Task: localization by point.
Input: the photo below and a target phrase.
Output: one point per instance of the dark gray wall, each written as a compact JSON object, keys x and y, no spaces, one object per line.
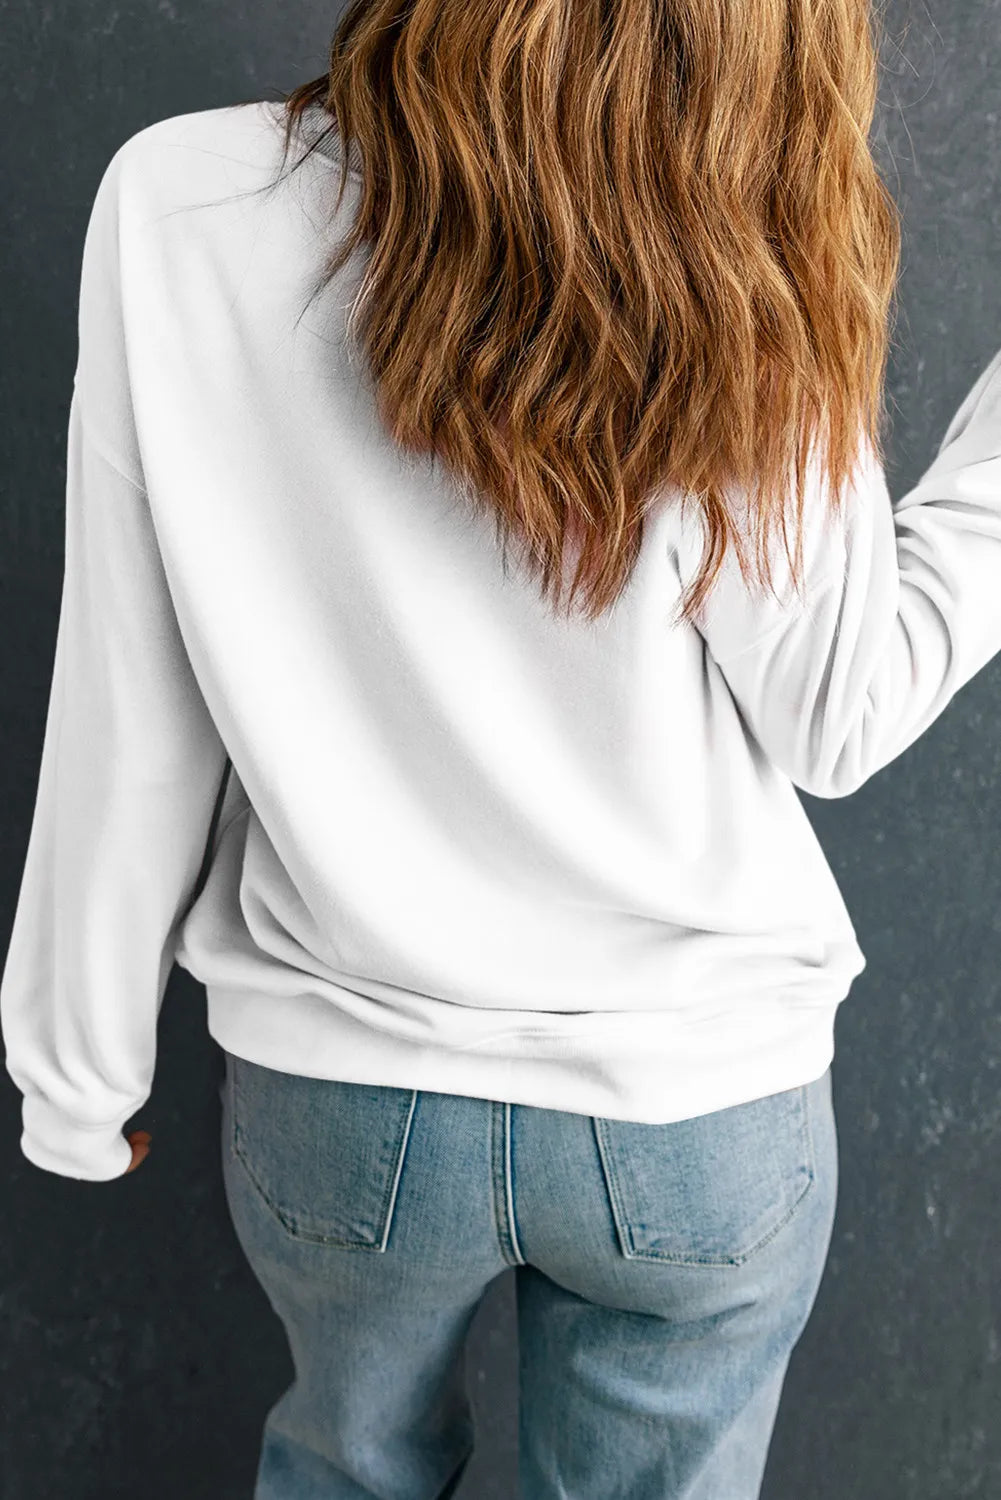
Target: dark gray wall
{"x":138,"y":1354}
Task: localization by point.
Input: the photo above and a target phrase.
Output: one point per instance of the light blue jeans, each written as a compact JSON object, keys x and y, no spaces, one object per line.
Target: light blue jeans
{"x":664,"y":1274}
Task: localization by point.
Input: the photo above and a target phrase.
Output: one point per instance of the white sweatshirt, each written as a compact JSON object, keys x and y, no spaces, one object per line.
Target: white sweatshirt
{"x":464,"y":846}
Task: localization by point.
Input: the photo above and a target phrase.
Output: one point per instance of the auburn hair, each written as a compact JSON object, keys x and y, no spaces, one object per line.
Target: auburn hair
{"x":617,"y":246}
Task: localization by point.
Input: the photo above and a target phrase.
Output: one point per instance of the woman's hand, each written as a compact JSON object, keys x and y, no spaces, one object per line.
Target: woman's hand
{"x":139,"y":1140}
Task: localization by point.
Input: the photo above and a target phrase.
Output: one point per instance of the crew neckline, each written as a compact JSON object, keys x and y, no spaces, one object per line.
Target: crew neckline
{"x":313,"y":122}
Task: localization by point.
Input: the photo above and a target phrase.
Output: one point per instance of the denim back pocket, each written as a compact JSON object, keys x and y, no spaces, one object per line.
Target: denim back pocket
{"x":325,"y":1155}
{"x":708,"y":1191}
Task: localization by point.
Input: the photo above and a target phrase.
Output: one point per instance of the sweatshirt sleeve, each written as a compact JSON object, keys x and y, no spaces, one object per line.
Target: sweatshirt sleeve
{"x":902,"y":607}
{"x":130,"y":768}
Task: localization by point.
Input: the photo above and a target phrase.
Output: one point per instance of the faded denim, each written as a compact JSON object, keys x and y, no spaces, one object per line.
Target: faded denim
{"x":664,"y":1274}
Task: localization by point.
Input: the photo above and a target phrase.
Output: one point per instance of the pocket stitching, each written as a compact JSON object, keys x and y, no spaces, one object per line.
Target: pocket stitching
{"x":288,"y":1221}
{"x":624,"y":1231}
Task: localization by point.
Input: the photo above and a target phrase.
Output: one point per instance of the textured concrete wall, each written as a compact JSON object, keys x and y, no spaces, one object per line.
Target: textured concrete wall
{"x":137,"y":1353}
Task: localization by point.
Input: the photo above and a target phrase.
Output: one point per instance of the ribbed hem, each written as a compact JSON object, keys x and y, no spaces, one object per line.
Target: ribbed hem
{"x":58,"y":1143}
{"x":652,"y":1067}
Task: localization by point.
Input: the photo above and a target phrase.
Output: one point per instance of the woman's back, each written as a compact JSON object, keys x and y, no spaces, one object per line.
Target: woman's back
{"x":466,"y":845}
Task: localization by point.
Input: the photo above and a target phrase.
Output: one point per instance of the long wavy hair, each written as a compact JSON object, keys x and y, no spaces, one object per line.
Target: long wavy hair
{"x":615,"y":246}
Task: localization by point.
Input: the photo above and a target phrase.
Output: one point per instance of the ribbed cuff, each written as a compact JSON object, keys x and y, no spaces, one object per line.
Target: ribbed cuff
{"x":58,"y":1143}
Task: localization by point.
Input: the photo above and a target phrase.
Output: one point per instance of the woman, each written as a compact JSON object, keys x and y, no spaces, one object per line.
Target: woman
{"x":415,"y":691}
